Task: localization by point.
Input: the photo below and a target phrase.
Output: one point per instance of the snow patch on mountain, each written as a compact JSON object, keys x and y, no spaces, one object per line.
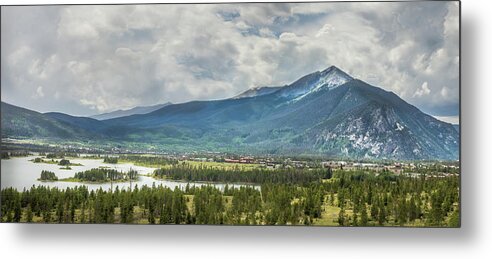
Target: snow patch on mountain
{"x":399,"y":127}
{"x":329,"y":79}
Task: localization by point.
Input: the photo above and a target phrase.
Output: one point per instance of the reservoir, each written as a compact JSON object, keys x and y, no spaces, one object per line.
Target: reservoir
{"x":20,"y":173}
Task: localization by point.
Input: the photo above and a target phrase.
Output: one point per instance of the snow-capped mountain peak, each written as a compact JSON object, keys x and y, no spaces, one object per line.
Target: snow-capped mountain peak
{"x":329,"y":78}
{"x":333,"y":77}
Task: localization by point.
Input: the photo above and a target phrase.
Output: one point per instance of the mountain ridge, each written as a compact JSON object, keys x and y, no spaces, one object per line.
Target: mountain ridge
{"x":257,"y":91}
{"x":324,"y":113}
{"x":25,"y":123}
{"x":128,"y":112}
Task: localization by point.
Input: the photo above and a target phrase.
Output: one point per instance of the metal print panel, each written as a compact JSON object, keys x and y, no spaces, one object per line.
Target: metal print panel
{"x":316,"y":114}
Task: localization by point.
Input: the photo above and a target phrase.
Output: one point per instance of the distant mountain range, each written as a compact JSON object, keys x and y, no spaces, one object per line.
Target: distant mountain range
{"x":132,"y":111}
{"x":326,"y":113}
{"x":18,"y":122}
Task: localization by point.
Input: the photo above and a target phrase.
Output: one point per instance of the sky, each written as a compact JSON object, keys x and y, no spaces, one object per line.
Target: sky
{"x":85,"y":60}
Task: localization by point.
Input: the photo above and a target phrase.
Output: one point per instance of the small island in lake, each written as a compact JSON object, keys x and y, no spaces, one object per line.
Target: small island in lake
{"x":111,"y":160}
{"x":103,"y":175}
{"x":63,"y":162}
{"x":48,"y":176}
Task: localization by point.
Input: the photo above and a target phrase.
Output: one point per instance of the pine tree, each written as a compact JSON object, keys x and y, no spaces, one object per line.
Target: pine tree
{"x":374,"y":212}
{"x":151,"y":216}
{"x":9,"y":217}
{"x":381,"y":215}
{"x":29,"y":214}
{"x":412,"y":210}
{"x":82,"y":213}
{"x":59,"y":212}
{"x":17,"y":211}
{"x":355,"y":221}
{"x":436,"y":213}
{"x":402,"y":212}
{"x":363,"y":216}
{"x":341,"y":217}
{"x":91,"y":211}
{"x":72,"y":213}
{"x":46,"y":216}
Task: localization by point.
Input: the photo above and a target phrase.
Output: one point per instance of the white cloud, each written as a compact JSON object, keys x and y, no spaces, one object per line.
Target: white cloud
{"x":444,"y":92}
{"x":39,"y":92}
{"x":102,"y":58}
{"x":326,"y":29}
{"x":424,"y":90}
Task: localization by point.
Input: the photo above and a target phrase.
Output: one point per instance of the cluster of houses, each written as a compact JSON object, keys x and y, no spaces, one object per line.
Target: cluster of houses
{"x":241,"y":160}
{"x":268,"y":163}
{"x":397,"y":168}
{"x":335,"y":164}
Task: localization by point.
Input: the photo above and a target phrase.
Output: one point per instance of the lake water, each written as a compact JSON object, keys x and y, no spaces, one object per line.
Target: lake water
{"x":20,"y":173}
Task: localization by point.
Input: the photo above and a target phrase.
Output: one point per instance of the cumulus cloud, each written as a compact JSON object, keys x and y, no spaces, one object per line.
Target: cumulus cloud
{"x":423,"y":90}
{"x":39,"y":92}
{"x":92,"y":59}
